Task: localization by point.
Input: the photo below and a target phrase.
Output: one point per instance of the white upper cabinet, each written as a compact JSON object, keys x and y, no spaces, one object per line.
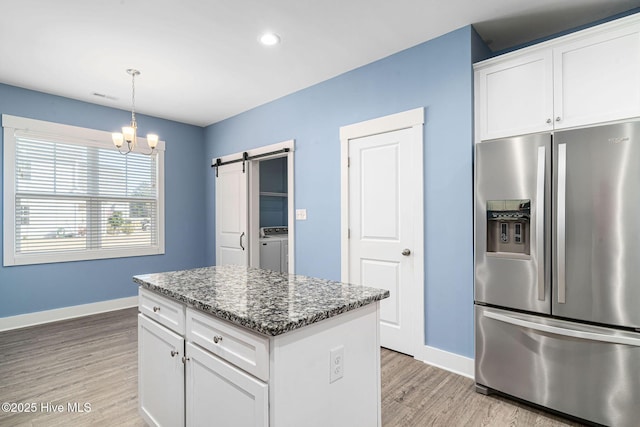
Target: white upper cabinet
{"x":597,"y":79}
{"x":515,"y":96}
{"x":588,"y":77}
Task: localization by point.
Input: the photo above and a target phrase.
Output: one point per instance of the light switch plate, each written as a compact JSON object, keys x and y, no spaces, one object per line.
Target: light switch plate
{"x":301,"y":214}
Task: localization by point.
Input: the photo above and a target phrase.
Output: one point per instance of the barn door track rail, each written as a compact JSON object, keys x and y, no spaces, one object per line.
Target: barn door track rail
{"x":245,"y":156}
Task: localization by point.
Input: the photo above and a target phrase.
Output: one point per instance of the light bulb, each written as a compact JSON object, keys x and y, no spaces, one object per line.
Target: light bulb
{"x":117,"y":139}
{"x":152,"y":140}
{"x":129,"y":134}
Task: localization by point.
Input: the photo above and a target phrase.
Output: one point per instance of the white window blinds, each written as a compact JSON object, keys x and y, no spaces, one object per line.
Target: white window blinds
{"x":76,"y":198}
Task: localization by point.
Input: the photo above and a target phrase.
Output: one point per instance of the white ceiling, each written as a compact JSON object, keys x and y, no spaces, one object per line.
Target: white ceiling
{"x":201,"y":62}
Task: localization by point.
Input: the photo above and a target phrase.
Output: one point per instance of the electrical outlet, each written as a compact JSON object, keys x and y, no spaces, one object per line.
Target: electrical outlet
{"x":301,"y":214}
{"x":336,"y":363}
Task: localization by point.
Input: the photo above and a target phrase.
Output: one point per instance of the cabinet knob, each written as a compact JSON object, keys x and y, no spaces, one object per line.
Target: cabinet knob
{"x":156,"y":309}
{"x":548,"y":121}
{"x":558,"y":119}
{"x":406,"y":252}
{"x":184,"y":359}
{"x":217,"y":339}
{"x":174,"y":353}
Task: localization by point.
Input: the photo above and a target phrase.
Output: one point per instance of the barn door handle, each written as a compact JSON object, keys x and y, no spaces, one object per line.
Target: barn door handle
{"x":241,"y":236}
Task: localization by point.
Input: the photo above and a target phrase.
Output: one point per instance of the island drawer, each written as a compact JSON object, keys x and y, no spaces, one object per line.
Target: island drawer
{"x":239,"y":346}
{"x":163,"y":310}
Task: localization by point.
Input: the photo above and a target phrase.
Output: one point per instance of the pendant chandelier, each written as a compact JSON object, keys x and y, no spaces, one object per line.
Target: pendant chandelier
{"x":130,"y":133}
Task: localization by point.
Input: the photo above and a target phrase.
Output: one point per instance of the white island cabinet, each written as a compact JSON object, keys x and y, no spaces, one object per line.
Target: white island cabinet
{"x":218,"y":393}
{"x":160,"y":374}
{"x":160,"y":367}
{"x":237,"y":346}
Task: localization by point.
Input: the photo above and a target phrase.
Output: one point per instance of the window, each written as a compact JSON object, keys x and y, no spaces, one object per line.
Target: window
{"x":70,"y":195}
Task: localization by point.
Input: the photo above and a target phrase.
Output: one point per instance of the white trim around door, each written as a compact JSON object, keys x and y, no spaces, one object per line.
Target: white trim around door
{"x":412,"y":119}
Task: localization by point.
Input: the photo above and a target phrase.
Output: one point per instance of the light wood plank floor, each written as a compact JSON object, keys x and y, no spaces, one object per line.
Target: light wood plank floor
{"x":94,"y":360}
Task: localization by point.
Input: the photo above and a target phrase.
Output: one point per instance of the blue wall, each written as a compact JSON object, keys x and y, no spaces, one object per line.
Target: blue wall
{"x":436,"y":75}
{"x":25,"y":289}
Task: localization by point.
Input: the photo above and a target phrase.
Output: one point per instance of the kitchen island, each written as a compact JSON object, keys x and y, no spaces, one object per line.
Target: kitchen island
{"x":236,"y":346}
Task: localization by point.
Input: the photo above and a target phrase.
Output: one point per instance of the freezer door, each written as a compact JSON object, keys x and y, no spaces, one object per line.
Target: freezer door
{"x":585,"y":371}
{"x":596,"y":261}
{"x":512,"y":205}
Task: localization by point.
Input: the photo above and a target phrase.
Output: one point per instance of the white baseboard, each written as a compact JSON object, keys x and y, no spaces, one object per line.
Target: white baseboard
{"x":452,"y":362}
{"x":40,"y":317}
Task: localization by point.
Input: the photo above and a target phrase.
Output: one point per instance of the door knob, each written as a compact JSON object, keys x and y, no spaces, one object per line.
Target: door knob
{"x":406,"y":252}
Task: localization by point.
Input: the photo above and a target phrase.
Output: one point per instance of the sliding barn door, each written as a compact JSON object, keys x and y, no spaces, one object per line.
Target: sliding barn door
{"x":232,"y":241}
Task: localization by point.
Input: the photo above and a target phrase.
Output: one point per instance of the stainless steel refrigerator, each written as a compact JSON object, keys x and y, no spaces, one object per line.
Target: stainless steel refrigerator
{"x":557,"y":271}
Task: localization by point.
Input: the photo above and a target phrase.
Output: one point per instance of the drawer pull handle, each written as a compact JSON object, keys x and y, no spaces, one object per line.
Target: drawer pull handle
{"x":156,"y":309}
{"x":217,"y":339}
{"x":174,"y":353}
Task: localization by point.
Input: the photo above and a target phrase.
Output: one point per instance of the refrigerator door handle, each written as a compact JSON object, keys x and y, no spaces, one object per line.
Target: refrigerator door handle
{"x":540,"y":220}
{"x":566,"y":332}
{"x":560,"y":239}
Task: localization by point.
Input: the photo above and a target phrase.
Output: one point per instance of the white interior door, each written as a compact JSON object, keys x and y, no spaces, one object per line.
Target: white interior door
{"x":231,"y":215}
{"x":381,"y":227}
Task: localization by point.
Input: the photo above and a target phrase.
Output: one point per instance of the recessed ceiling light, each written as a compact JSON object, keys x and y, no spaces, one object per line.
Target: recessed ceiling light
{"x":270,"y":39}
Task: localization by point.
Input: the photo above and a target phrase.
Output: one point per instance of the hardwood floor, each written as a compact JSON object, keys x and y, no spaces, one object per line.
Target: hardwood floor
{"x":94,"y":360}
{"x":88,"y":360}
{"x":417,"y":394}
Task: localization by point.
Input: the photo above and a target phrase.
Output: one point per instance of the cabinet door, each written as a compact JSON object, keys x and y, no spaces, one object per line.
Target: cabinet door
{"x":515,"y":96}
{"x":597,"y":79}
{"x":160,"y":374}
{"x":219,"y":394}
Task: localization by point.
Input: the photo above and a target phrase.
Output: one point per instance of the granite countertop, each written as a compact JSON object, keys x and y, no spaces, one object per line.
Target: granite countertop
{"x":264,"y":301}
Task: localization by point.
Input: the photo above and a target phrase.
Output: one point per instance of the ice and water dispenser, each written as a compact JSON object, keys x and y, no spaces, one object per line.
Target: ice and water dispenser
{"x":508,"y":225}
